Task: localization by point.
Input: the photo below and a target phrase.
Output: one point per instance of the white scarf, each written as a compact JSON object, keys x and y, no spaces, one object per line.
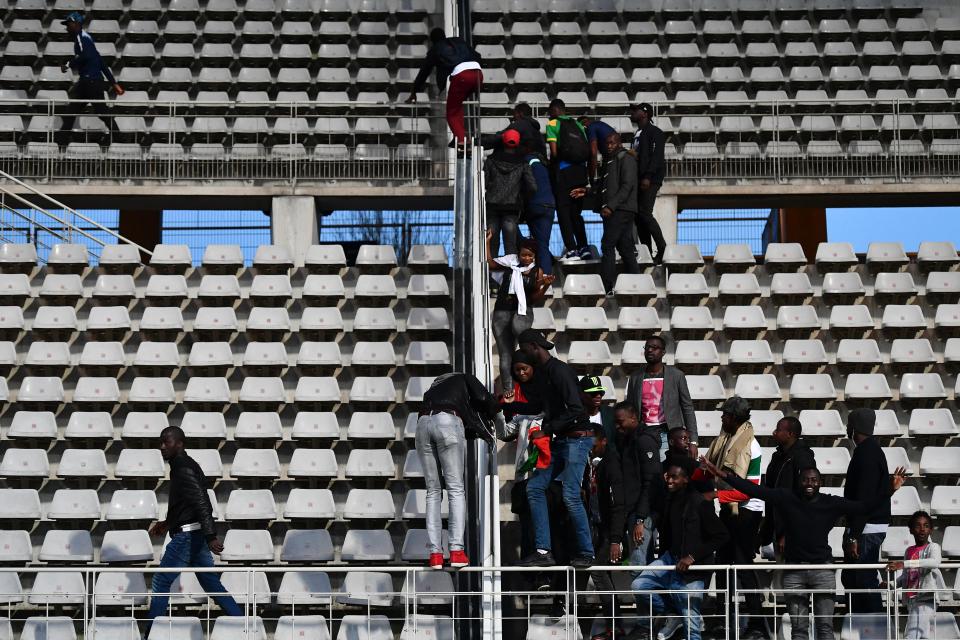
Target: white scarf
{"x":516,"y":279}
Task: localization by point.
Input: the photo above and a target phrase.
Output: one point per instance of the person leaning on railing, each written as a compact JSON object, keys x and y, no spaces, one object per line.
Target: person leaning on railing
{"x":808,"y":519}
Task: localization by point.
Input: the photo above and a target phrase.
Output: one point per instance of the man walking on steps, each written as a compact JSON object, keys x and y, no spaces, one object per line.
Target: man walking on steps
{"x":567,"y":423}
{"x":92,"y":70}
{"x":648,"y":143}
{"x":190,"y":523}
{"x":618,"y":208}
{"x":452,"y":58}
{"x":569,"y":154}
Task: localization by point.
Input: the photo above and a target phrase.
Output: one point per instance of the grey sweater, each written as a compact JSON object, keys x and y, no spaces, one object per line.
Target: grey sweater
{"x":619,"y":180}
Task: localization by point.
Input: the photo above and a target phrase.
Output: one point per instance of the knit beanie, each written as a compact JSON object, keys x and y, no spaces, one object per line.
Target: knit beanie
{"x":862,"y":421}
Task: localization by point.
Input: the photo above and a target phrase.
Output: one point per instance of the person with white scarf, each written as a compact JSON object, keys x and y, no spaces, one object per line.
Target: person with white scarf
{"x":521,"y":283}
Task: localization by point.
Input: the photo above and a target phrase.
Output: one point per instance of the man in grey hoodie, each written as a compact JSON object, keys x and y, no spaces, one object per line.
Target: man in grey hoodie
{"x":618,"y":207}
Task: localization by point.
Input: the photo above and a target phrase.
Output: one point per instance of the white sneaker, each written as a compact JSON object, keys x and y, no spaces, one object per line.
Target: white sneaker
{"x":673,"y":625}
{"x":572,"y":254}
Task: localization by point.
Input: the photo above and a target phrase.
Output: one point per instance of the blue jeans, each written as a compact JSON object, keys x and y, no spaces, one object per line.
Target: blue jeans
{"x":684,"y":599}
{"x":567,"y":463}
{"x":640,"y":554}
{"x":540,"y":223}
{"x":188,"y":549}
{"x":869,"y":553}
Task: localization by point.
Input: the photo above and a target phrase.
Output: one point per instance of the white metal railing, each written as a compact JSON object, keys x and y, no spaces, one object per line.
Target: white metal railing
{"x":757,"y":141}
{"x":56,"y":220}
{"x":566,"y":606}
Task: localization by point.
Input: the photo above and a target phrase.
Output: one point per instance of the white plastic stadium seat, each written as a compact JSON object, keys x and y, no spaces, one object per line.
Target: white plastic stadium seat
{"x":126,"y":546}
{"x":48,"y":628}
{"x":812,"y":386}
{"x":371,"y":545}
{"x":21,"y":504}
{"x":120,"y":589}
{"x":822,"y":423}
{"x":312,"y":463}
{"x":237,"y":583}
{"x":866,"y":386}
{"x":255,"y":463}
{"x":139,"y":463}
{"x":258,"y":425}
{"x":922,"y":386}
{"x":132,"y":504}
{"x":762,"y":386}
{"x":706,"y":388}
{"x":33,"y":424}
{"x":312,"y":503}
{"x":306,"y":545}
{"x":246,"y":545}
{"x":83,"y":463}
{"x":178,"y":627}
{"x":59,"y":587}
{"x":305,"y":588}
{"x":367,"y":588}
{"x":79,"y":504}
{"x":369,"y":504}
{"x":15,"y":547}
{"x":365,"y":627}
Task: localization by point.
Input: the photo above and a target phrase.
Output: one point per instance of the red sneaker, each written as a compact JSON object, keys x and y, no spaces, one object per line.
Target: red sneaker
{"x":459,"y":559}
{"x":436,"y":561}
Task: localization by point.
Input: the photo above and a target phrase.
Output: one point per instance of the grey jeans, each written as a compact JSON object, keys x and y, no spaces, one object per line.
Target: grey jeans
{"x":442,"y":448}
{"x":798,"y":603}
{"x":507,"y":325}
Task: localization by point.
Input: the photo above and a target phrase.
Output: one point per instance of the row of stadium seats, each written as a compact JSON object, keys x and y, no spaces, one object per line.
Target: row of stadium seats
{"x":259,"y":393}
{"x":738,"y":258}
{"x":226,"y":9}
{"x":316,"y":627}
{"x":209,"y":426}
{"x":135,"y":504}
{"x":220,"y":258}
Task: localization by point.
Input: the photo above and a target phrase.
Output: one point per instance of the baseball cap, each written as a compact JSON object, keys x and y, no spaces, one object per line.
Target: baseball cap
{"x":535,"y":337}
{"x":74,"y":16}
{"x":511,"y":138}
{"x":646,"y":107}
{"x":591,"y":384}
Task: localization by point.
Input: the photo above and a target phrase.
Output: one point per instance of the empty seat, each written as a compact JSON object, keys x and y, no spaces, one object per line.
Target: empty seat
{"x":816,"y":387}
{"x":922,"y":386}
{"x":744,"y":321}
{"x":325,"y":258}
{"x":912,"y":353}
{"x":78,"y":504}
{"x":222,"y":288}
{"x":943,"y":287}
{"x":204,"y":425}
{"x":932,"y":422}
{"x":15,"y":547}
{"x":790,"y":286}
{"x":44,"y":357}
{"x":83,"y":463}
{"x":364,"y":627}
{"x":936,"y":256}
{"x":20,"y":504}
{"x":940,"y":460}
{"x":140,"y":424}
{"x":687,"y":287}
{"x":17,"y":257}
{"x":866,"y":386}
{"x":151,"y":391}
{"x":41,"y":390}
{"x":105,"y":357}
{"x":842,"y":287}
{"x":244,"y":545}
{"x":850,"y":320}
{"x":255,"y":463}
{"x":695,"y":320}
{"x":763,"y":386}
{"x":33,"y":424}
{"x":270,"y":290}
{"x":369,"y":504}
{"x":832,"y":460}
{"x":312,"y":463}
{"x":207,"y":391}
{"x":373,"y":290}
{"x":222,"y":258}
{"x":312,"y":504}
{"x":706,"y":388}
{"x":367,"y":546}
{"x":139,"y":463}
{"x":312,"y":424}
{"x":897,"y":287}
{"x":132,"y":504}
{"x":56,"y":323}
{"x":306,"y":545}
{"x":861,"y":355}
{"x":367,"y":588}
{"x":159,"y":322}
{"x":167,"y":290}
{"x":25,"y":463}
{"x":822,"y":423}
{"x":114,"y":289}
{"x":178,"y":627}
{"x":237,"y":583}
{"x":318,"y":391}
{"x":60,"y":545}
{"x":269,"y":323}
{"x":804,"y":353}
{"x":258,"y":424}
{"x":126,"y":546}
{"x":692,"y":354}
{"x":886,"y":256}
{"x":370,"y":463}
{"x":157,"y":356}
{"x":305,"y":588}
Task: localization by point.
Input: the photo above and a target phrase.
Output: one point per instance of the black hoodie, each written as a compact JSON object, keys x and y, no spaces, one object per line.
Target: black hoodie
{"x":507,"y":175}
{"x":783,"y":472}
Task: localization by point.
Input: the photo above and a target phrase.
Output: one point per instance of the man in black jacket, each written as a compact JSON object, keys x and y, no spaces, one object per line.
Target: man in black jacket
{"x":783,"y":472}
{"x":807,"y":517}
{"x":867,"y":476}
{"x":452,"y":58}
{"x":456,"y":406}
{"x":648,"y":142}
{"x":639,"y":449}
{"x":190,"y":524}
{"x":566,"y":421}
{"x":507,"y":176}
{"x":603,"y":486}
{"x":690,"y":534}
{"x":618,"y":208}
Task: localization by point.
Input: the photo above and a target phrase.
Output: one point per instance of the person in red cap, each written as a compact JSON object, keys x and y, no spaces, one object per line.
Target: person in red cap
{"x":507,"y":177}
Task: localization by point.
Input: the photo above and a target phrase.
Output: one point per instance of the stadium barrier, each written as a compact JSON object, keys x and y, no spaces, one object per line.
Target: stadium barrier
{"x":405,"y":598}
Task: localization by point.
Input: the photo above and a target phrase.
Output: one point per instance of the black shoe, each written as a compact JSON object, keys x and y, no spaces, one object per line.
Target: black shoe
{"x":582,"y":562}
{"x":537,"y":559}
{"x":658,"y":259}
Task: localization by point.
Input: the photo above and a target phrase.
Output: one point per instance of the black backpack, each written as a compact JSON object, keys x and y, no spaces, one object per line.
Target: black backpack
{"x":572,"y":145}
{"x":453,"y":51}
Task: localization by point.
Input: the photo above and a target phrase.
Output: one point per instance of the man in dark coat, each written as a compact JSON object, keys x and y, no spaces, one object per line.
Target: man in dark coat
{"x":618,"y":207}
{"x":690,"y":534}
{"x":783,"y":472}
{"x":603,"y":487}
{"x":507,"y":176}
{"x":639,"y":449}
{"x":648,"y":143}
{"x":867,"y":476}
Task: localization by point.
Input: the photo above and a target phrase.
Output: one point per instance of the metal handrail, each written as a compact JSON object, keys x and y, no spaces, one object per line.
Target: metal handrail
{"x":67,"y":225}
